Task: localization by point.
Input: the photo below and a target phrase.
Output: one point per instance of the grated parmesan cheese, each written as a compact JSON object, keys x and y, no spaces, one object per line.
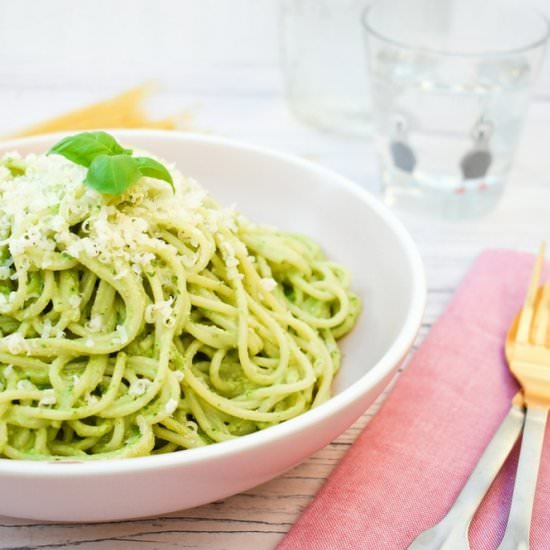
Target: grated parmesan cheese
{"x":46,"y":328}
{"x":171,"y":406}
{"x":92,"y":399}
{"x":95,"y":323}
{"x":74,"y":301}
{"x":24,"y":385}
{"x":121,"y":335}
{"x":16,"y":343}
{"x":49,"y":199}
{"x":48,"y":398}
{"x":268,"y":283}
{"x":162,"y":311}
{"x":139,"y":387}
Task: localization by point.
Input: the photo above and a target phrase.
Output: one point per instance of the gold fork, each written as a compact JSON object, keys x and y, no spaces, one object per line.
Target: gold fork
{"x":529,"y":361}
{"x":530,"y":325}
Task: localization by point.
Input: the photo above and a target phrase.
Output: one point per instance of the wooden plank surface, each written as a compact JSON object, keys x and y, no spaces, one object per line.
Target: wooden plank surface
{"x":256,"y":112}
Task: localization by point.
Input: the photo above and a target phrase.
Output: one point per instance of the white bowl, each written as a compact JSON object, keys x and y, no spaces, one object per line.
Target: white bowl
{"x":353,"y":228}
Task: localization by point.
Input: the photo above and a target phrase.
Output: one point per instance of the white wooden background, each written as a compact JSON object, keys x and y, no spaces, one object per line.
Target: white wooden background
{"x":218,"y":61}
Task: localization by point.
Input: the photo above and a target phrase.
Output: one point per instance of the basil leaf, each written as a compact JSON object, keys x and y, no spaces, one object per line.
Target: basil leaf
{"x":154,"y":169}
{"x":111,"y":167}
{"x":85,"y":147}
{"x":112,"y":174}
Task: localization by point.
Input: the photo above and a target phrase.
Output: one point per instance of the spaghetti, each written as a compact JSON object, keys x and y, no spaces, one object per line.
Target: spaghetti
{"x":153,"y":321}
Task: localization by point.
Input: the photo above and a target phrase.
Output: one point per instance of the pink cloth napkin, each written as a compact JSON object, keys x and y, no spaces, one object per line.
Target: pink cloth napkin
{"x":407,"y":467}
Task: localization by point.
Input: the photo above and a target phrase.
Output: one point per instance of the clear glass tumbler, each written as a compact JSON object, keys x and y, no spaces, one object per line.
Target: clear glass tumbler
{"x":323,"y":60}
{"x":450,"y":85}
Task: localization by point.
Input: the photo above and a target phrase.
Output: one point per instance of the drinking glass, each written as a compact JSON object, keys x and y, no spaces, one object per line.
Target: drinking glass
{"x":323,"y":62}
{"x":450,"y":86}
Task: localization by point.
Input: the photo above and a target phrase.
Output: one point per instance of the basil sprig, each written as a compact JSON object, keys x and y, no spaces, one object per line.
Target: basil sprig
{"x":111,"y":167}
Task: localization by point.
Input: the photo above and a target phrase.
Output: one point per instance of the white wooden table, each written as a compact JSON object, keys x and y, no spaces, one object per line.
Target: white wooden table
{"x":254,"y":111}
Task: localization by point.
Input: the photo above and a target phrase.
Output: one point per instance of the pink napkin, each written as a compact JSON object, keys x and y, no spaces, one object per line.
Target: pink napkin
{"x":407,"y":467}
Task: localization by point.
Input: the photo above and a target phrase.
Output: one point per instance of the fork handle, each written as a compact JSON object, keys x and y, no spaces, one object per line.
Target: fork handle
{"x":516,"y":535}
{"x":451,"y":533}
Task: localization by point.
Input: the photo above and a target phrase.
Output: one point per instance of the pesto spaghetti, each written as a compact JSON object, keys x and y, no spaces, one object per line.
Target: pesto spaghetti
{"x":154,"y":320}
